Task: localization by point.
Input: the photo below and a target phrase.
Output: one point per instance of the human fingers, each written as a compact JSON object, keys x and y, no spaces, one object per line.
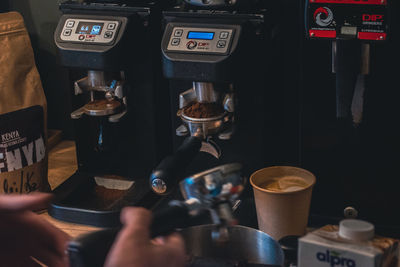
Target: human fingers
{"x":136,"y":223}
{"x":131,"y":247}
{"x":50,"y":236}
{"x":49,"y":257}
{"x":17,"y":203}
{"x":175,"y":242}
{"x":22,"y":258}
{"x":171,"y":252}
{"x":12,"y":258}
{"x":34,"y":231}
{"x":18,"y":252}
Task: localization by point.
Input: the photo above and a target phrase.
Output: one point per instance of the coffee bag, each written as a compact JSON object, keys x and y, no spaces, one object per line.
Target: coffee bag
{"x":23,"y":154}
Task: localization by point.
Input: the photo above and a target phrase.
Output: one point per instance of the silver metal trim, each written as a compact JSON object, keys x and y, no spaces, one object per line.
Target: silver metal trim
{"x":159,"y":186}
{"x":117,"y":117}
{"x":224,"y":169}
{"x":211,"y":148}
{"x":187,"y":97}
{"x":205,"y":92}
{"x":77,"y":114}
{"x":365,"y":59}
{"x":182,"y":130}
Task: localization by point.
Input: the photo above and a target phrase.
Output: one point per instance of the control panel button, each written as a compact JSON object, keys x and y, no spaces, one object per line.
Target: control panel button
{"x":223,"y":35}
{"x":176,"y":41}
{"x":221,"y":44}
{"x":67,"y":32}
{"x":111,"y":26}
{"x":70,"y":24}
{"x":108,"y":35}
{"x":178,"y":33}
{"x":81,"y":37}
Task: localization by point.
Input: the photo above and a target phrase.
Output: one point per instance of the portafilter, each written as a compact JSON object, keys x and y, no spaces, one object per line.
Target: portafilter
{"x":214,"y":191}
{"x":201,"y":130}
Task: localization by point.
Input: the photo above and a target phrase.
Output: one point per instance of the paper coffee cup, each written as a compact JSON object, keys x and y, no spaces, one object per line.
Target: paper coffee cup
{"x":282,"y":213}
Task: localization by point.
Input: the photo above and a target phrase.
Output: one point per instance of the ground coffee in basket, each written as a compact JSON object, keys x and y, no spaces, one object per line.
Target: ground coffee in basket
{"x":199,"y":110}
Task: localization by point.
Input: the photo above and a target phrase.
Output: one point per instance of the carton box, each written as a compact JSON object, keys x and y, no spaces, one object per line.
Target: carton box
{"x":325,"y":247}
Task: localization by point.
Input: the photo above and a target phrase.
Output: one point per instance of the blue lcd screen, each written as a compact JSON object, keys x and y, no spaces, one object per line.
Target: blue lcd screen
{"x":201,"y":35}
{"x":96,"y":29}
{"x":85,"y":27}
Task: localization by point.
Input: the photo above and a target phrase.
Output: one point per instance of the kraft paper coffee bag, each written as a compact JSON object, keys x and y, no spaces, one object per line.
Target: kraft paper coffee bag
{"x":23,"y":154}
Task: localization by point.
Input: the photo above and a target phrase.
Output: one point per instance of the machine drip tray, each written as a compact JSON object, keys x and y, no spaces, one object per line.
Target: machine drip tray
{"x":80,"y":200}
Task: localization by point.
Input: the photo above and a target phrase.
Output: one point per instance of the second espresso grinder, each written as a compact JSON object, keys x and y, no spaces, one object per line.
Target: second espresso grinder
{"x":204,"y":49}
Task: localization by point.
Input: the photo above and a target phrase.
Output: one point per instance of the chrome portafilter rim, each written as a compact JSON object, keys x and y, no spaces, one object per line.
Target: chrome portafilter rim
{"x":205,"y":126}
{"x":202,"y":120}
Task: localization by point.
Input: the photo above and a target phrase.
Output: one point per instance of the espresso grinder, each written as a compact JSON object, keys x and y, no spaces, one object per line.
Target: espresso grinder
{"x":353,"y":161}
{"x":205,"y":48}
{"x":111,"y":50}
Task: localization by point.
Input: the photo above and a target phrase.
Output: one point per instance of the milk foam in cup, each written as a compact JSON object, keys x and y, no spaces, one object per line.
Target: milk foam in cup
{"x":285,"y":184}
{"x":282,"y":196}
{"x":351,"y":244}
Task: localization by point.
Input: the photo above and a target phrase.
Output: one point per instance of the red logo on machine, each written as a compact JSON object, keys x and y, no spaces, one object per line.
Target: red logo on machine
{"x":191,"y":45}
{"x":203,"y":45}
{"x":372,"y":17}
{"x":323,"y":16}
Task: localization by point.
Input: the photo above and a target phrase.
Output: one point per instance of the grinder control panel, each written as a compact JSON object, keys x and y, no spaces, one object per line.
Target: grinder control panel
{"x":347,"y":19}
{"x":201,"y":51}
{"x":89,"y":31}
{"x":200,"y":40}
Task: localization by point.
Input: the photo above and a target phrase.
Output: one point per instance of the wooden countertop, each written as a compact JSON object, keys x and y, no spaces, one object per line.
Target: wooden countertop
{"x":62,"y":164}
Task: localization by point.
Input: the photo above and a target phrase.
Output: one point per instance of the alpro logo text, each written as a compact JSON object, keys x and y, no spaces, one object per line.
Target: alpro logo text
{"x":334,"y":259}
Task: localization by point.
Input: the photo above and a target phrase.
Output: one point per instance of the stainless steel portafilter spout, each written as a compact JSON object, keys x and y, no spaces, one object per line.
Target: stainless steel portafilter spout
{"x":96,"y":79}
{"x":205,"y":92}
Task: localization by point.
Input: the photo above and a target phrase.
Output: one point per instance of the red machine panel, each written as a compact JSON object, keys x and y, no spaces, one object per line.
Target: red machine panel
{"x":347,"y":19}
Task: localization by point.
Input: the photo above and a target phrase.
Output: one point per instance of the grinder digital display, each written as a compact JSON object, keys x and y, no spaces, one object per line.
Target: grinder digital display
{"x":89,"y":28}
{"x":201,"y":35}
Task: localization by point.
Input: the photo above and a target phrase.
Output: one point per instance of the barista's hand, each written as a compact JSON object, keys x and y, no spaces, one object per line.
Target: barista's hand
{"x":133,"y":247}
{"x":24,"y":234}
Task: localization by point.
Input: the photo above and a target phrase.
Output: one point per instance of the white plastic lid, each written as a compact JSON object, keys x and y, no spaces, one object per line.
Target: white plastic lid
{"x":356,"y":230}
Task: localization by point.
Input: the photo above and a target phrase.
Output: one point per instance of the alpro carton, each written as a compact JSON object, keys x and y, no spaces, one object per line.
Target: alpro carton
{"x":332,"y":246}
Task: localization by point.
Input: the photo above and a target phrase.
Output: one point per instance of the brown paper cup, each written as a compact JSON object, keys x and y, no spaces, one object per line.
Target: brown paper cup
{"x":281,"y":214}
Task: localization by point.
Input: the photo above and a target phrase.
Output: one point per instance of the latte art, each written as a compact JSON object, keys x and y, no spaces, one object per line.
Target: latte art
{"x":285,"y":184}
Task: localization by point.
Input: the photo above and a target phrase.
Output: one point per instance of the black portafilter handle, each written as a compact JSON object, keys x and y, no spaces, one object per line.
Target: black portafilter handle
{"x":91,"y":250}
{"x":168,"y":173}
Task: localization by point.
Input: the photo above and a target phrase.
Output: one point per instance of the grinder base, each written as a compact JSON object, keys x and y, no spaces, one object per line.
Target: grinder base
{"x":78,"y":201}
